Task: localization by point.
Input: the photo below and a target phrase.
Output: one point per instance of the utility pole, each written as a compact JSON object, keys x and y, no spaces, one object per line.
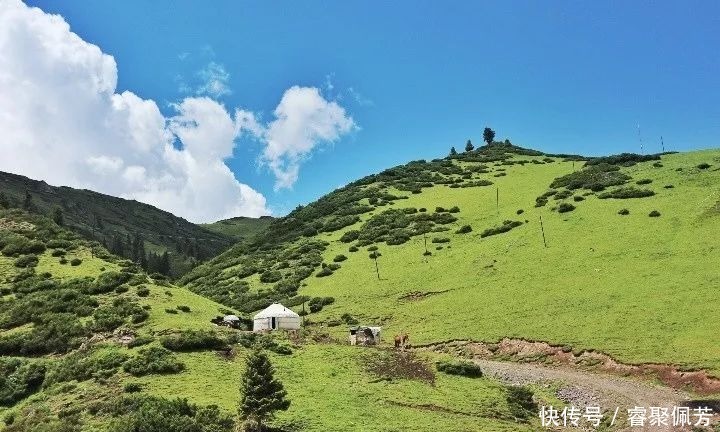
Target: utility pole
{"x":640,"y":138}
{"x":377,"y":269}
{"x":425,"y":238}
{"x":497,"y":198}
{"x":543,"y":231}
{"x":662,"y":143}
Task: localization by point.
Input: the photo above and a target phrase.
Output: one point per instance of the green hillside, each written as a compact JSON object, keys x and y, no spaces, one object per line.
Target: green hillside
{"x":89,"y":342}
{"x":119,"y":224}
{"x":239,"y":228}
{"x":629,"y":266}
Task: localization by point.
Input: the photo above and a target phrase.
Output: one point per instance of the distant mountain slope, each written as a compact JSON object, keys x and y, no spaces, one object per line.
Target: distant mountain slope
{"x":623,"y":262}
{"x":118,"y":223}
{"x":240,"y":228}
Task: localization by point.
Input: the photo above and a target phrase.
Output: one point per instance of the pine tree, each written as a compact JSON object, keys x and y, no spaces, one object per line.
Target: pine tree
{"x":469,"y":146}
{"x":262,"y":394}
{"x":4,"y":202}
{"x":453,"y":152}
{"x":164,"y":264}
{"x":488,"y":135}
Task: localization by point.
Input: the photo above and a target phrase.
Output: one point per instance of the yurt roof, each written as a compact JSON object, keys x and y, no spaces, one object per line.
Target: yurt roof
{"x":276,"y":310}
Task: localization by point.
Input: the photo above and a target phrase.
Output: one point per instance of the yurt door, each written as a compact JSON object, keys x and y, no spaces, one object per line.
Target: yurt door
{"x":272,"y":323}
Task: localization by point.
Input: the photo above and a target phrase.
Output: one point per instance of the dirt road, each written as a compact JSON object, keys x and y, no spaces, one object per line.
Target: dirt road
{"x":583,"y":388}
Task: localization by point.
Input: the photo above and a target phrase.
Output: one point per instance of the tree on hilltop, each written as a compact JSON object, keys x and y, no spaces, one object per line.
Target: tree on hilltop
{"x":488,"y":135}
{"x":469,"y":146}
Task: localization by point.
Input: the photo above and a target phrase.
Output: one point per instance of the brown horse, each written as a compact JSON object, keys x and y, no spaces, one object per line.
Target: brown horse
{"x":401,"y":340}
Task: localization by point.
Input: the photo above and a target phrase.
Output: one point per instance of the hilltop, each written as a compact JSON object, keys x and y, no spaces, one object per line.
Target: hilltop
{"x":462,"y":254}
{"x":126,"y":227}
{"x":240,"y":228}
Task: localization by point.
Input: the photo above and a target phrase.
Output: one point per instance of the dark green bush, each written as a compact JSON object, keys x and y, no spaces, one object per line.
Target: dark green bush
{"x":462,"y":368}
{"x":132,"y":388}
{"x":26,"y":261}
{"x":183,"y":308}
{"x":350,"y":236}
{"x":171,"y":311}
{"x":505,"y":227}
{"x":704,"y":166}
{"x":624,"y":212}
{"x":644,"y":181}
{"x":153,"y":360}
{"x":520,"y":211}
{"x":353,"y":249}
{"x":454,"y":209}
{"x":75,"y":262}
{"x":20,"y":245}
{"x":578,"y":198}
{"x":561,"y":195}
{"x":63,"y":261}
{"x":270,"y":276}
{"x":19,"y":379}
{"x":654,"y":213}
{"x":565,"y":207}
{"x":325,"y":271}
{"x":143,"y":291}
{"x":339,"y":258}
{"x":140,"y":341}
{"x":193,"y":340}
{"x":82,"y":366}
{"x":464,"y":229}
{"x":626,"y":193}
{"x":58,"y":252}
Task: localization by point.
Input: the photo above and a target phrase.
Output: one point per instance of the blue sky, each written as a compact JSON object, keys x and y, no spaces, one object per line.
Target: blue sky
{"x":419,"y":76}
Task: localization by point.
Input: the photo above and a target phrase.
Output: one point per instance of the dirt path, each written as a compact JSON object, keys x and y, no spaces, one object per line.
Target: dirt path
{"x":584,"y":388}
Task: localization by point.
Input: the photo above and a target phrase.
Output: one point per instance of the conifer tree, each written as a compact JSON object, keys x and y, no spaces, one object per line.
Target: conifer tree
{"x":262,"y":393}
{"x":453,"y":152}
{"x":469,"y":146}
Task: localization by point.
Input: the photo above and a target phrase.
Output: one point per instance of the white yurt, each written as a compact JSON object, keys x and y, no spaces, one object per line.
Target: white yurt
{"x":276,"y":317}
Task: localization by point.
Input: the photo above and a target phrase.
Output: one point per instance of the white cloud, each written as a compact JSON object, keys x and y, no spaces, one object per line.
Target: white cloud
{"x":62,"y":121}
{"x":214,"y":80}
{"x":303,"y":121}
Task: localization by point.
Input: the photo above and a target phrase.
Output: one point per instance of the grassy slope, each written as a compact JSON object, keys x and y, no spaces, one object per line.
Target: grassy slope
{"x":322,"y":392}
{"x":240,"y":227}
{"x":641,"y":289}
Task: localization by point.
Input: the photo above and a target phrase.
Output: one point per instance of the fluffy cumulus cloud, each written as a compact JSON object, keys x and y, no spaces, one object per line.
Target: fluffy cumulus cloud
{"x":303,"y":121}
{"x":62,"y":121}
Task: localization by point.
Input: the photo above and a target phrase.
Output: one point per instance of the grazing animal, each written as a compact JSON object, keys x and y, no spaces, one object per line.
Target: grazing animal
{"x":401,"y":340}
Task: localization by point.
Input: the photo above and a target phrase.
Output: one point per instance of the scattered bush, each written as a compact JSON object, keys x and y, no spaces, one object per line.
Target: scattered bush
{"x":654,"y":213}
{"x":464,"y":229}
{"x":463,"y":368}
{"x":440,"y":240}
{"x":183,"y":308}
{"x":63,"y":261}
{"x":644,"y":181}
{"x":143,"y":291}
{"x":626,"y":193}
{"x":578,"y":198}
{"x":324,"y":272}
{"x":505,"y":227}
{"x":668,"y":186}
{"x":454,"y":209}
{"x":171,"y":311}
{"x":520,"y":211}
{"x":26,"y":261}
{"x":75,"y":262}
{"x":704,"y":166}
{"x":58,"y":252}
{"x":153,"y":360}
{"x":339,"y":258}
{"x":350,"y":236}
{"x":348,"y":319}
{"x":132,"y":388}
{"x":270,"y":276}
{"x":565,"y":207}
{"x":353,"y":249}
{"x":561,"y":195}
{"x":193,"y":340}
{"x":140,"y":341}
{"x":624,"y":212}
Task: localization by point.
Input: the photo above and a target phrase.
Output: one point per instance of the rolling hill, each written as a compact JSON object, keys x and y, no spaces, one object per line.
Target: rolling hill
{"x":614,"y":254}
{"x":89,"y":342}
{"x":118,"y":223}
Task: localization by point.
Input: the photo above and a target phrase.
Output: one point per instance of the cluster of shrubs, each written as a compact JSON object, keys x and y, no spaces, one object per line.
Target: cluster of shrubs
{"x":317,"y":303}
{"x":153,"y":360}
{"x":19,"y":378}
{"x":193,"y":340}
{"x":109,"y":317}
{"x":626,"y":193}
{"x":595,"y":177}
{"x":565,"y":207}
{"x":257,"y":340}
{"x":505,"y":227}
{"x":462,"y":368}
{"x":623,"y":159}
